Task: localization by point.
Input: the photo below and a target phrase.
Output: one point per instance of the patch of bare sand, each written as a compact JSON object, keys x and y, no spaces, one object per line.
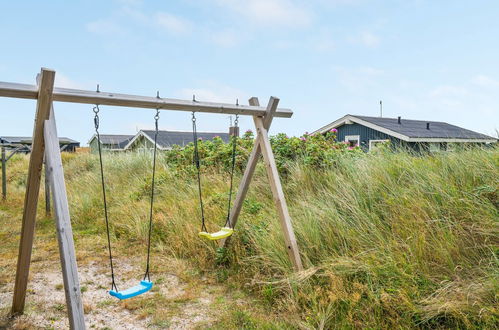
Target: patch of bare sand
{"x":46,"y":300}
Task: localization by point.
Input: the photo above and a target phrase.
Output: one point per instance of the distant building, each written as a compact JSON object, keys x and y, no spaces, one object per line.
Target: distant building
{"x":418,"y":135}
{"x":109,"y":142}
{"x":144,"y":139}
{"x":65,"y":144}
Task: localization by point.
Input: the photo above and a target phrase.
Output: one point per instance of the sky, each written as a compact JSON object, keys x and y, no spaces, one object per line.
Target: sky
{"x":427,"y":60}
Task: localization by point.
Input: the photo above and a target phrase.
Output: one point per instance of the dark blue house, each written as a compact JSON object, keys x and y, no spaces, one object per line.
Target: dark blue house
{"x":418,"y":135}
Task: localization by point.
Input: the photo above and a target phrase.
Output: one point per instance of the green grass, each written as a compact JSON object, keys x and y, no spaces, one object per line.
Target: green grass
{"x":387,"y":240}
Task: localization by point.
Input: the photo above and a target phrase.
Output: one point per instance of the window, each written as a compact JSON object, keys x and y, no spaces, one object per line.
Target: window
{"x":373,"y":144}
{"x":434,"y":147}
{"x":352,"y":140}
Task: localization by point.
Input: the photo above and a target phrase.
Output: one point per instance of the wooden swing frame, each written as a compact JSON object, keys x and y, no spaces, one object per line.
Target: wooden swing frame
{"x":45,"y":143}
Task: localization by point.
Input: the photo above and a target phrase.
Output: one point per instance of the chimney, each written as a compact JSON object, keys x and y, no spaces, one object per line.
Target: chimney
{"x":427,"y":125}
{"x":399,"y":120}
{"x":234,"y":131}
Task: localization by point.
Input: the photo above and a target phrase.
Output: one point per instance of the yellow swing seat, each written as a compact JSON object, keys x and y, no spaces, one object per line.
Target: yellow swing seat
{"x":222,"y":233}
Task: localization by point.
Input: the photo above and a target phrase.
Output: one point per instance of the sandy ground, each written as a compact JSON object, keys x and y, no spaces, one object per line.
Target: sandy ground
{"x":45,"y":301}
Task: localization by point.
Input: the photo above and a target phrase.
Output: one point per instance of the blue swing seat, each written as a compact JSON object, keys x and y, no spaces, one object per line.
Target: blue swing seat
{"x":134,"y":291}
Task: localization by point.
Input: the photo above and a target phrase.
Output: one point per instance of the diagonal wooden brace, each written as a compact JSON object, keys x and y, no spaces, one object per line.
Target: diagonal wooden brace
{"x":262,"y":146}
{"x":250,"y":166}
{"x":55,"y":174}
{"x":278,"y":193}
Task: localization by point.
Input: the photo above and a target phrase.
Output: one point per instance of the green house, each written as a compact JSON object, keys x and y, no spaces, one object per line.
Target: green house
{"x":110,"y":142}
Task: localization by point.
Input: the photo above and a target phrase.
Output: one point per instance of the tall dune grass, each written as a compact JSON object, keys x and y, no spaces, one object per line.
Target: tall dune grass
{"x":388,"y":239}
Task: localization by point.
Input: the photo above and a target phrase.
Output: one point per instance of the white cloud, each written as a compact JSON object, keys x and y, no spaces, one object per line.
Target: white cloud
{"x":105,"y":27}
{"x":225,"y":38}
{"x":214,"y":92}
{"x":365,"y":38}
{"x":130,"y":14}
{"x":269,"y":12}
{"x":485,"y":81}
{"x":359,"y":79}
{"x":369,"y":39}
{"x":172,"y":24}
{"x":322,"y":41}
{"x":64,"y":81}
{"x":130,"y":2}
{"x":448,"y":91}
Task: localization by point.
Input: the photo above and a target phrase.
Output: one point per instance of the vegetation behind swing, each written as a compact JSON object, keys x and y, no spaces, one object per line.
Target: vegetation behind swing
{"x":389,"y":238}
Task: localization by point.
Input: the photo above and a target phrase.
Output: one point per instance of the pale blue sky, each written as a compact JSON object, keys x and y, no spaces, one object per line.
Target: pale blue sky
{"x":433,"y":60}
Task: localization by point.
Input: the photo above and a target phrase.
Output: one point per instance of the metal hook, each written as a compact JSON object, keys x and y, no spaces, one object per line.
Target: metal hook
{"x":237,"y":102}
{"x":193,"y":98}
{"x":157,"y":95}
{"x":98,"y":91}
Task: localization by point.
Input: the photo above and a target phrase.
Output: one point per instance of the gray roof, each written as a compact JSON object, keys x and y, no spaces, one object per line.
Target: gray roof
{"x":27,"y":140}
{"x":417,"y":128}
{"x":118,"y":140}
{"x":167,"y":139}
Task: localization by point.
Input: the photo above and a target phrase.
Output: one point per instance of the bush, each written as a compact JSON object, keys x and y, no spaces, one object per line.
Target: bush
{"x":318,"y":150}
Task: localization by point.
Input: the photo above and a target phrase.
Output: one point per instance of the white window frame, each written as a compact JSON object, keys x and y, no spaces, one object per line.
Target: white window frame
{"x":349,"y":138}
{"x":371,"y":145}
{"x":434,"y":147}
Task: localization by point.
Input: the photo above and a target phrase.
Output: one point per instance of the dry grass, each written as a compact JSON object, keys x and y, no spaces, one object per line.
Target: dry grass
{"x":388,"y":240}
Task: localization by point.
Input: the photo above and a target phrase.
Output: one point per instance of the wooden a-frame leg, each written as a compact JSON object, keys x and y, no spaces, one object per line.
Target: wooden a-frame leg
{"x":278,"y":193}
{"x":250,"y":166}
{"x":262,"y":146}
{"x":47,"y":190}
{"x":4,"y":174}
{"x":45,"y":88}
{"x":55,"y":174}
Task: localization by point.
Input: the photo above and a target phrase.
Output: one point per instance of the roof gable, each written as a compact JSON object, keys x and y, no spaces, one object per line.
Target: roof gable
{"x":413,"y":130}
{"x":417,"y":128}
{"x":167,"y":139}
{"x":28,"y":139}
{"x":118,"y":140}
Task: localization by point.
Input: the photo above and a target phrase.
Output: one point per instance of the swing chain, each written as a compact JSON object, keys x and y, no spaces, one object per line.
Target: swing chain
{"x":96,"y":118}
{"x":233,"y":166}
{"x":198,"y":167}
{"x":96,"y":123}
{"x":156,"y":119}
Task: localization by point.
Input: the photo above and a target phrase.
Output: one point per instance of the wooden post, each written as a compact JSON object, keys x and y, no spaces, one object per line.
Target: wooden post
{"x":63,"y":223}
{"x":45,"y":88}
{"x":250,"y":167}
{"x":47,"y":190}
{"x":4,"y":175}
{"x":279,"y":199}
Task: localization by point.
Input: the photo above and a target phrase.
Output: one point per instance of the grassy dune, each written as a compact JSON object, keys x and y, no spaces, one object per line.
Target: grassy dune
{"x":387,"y":239}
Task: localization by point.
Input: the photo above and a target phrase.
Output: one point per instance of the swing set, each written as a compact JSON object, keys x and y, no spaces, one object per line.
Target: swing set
{"x":46,"y":145}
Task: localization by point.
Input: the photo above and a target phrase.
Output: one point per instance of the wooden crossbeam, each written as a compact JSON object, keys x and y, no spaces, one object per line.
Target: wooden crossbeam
{"x":46,"y":85}
{"x":124,"y":100}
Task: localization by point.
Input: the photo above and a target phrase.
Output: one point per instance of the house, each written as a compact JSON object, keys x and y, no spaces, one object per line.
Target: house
{"x":418,"y":135}
{"x":144,"y":140}
{"x":66,"y":144}
{"x":109,"y":142}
